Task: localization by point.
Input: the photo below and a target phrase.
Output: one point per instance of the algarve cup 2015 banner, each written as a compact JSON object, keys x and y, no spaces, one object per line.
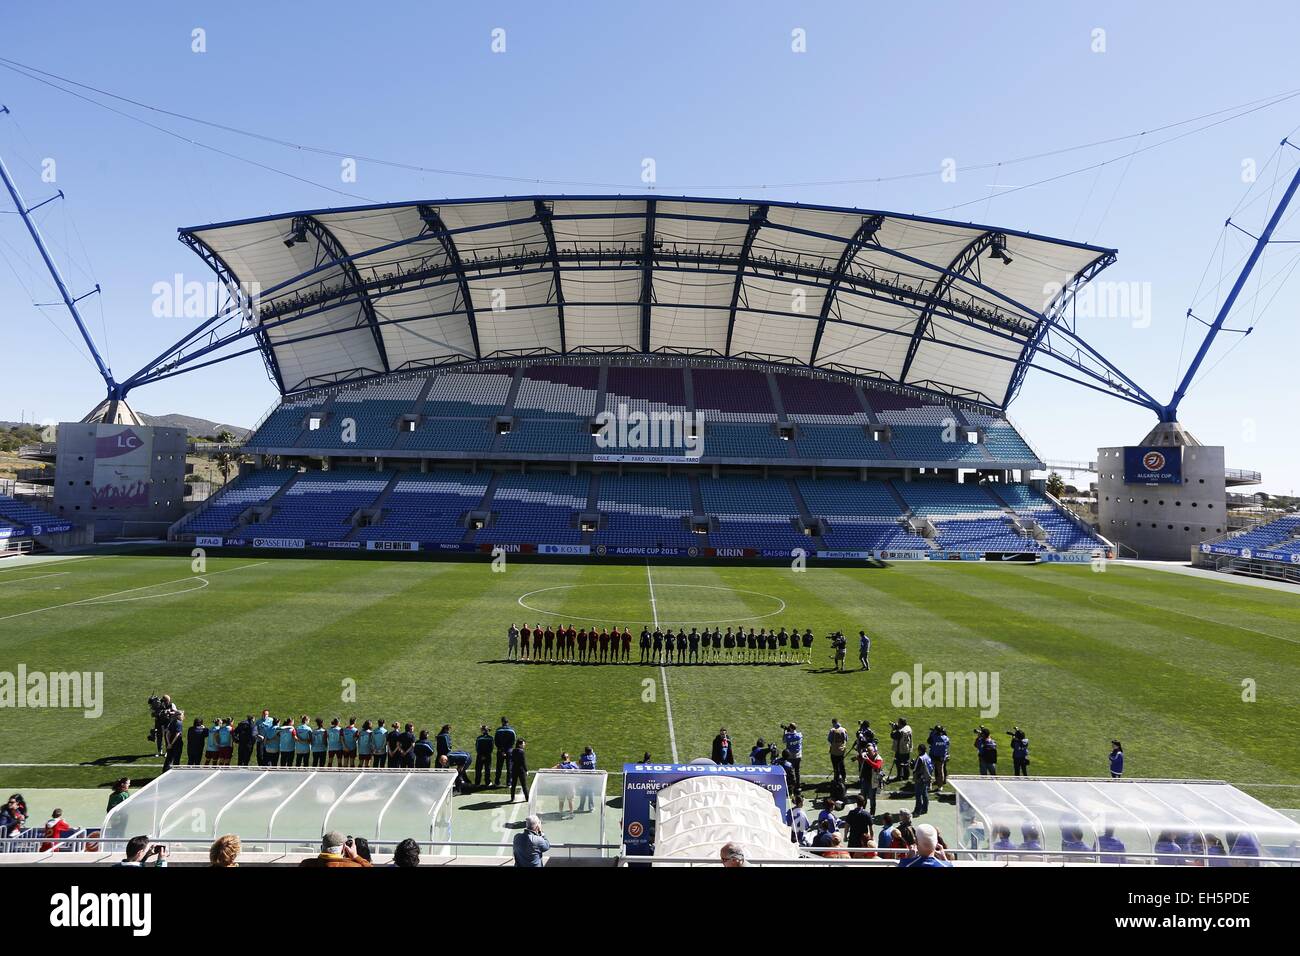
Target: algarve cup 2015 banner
{"x":1153,"y":466}
{"x":643,"y":781}
{"x":123,"y":454}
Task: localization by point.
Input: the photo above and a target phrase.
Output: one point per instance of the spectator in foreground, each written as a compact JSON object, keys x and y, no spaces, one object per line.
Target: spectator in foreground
{"x":406,"y":853}
{"x":531,"y":844}
{"x":928,"y":852}
{"x":121,"y":790}
{"x":733,"y":855}
{"x":139,"y":850}
{"x":55,"y":827}
{"x":224,"y":851}
{"x":336,"y":851}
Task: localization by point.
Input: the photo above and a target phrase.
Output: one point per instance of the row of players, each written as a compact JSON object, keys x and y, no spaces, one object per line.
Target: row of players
{"x":658,"y":646}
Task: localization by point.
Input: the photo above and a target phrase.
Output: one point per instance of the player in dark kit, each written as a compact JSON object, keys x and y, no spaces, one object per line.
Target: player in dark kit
{"x":525,"y":635}
{"x":658,"y":646}
{"x":570,"y":641}
{"x":716,"y":641}
{"x":550,"y":642}
{"x":807,"y":645}
{"x":694,"y":640}
{"x":645,"y":645}
{"x":681,"y":646}
{"x":582,"y":643}
{"x":627,"y":643}
{"x":729,"y":644}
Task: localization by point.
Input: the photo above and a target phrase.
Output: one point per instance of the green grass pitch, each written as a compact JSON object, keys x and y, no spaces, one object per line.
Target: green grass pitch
{"x":1153,"y":658}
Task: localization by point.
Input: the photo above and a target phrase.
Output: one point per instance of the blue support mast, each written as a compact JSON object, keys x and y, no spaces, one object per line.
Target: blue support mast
{"x":115,"y":392}
{"x":1169,"y":413}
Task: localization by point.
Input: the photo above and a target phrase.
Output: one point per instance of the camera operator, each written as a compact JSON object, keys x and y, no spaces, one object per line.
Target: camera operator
{"x":161,"y":710}
{"x":792,"y":737}
{"x":840,"y":646}
{"x":174,"y":740}
{"x":986,"y":749}
{"x":939,"y":744}
{"x":900,"y":732}
{"x":1019,"y":752}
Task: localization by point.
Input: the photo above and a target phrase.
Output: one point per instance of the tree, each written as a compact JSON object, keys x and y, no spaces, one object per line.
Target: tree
{"x":1055,"y":485}
{"x":225,"y":460}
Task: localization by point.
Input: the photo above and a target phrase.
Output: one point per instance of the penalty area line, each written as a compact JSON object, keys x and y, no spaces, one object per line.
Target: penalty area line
{"x":99,"y":599}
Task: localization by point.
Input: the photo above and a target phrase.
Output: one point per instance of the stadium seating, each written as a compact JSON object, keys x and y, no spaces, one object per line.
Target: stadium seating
{"x":21,"y":513}
{"x":458,"y":408}
{"x":732,"y":395}
{"x":319,"y":505}
{"x":860,"y":515}
{"x":733,"y":440}
{"x":813,"y":397}
{"x":935,"y":498}
{"x":838,"y":441}
{"x":646,"y":511}
{"x":222,"y":513}
{"x":551,"y":407}
{"x":539,"y":507}
{"x":1063,"y":534}
{"x":1277,"y":535}
{"x":645,"y":389}
{"x":752,"y":513}
{"x":428,"y":507}
{"x":557,"y":391}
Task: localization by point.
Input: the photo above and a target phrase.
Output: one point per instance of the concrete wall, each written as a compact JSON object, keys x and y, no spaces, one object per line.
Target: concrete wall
{"x":74,"y":474}
{"x":1162,"y":522}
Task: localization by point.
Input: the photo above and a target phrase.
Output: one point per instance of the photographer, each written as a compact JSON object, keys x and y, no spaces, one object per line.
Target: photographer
{"x":900,"y":732}
{"x":139,"y":850}
{"x":173,"y":737}
{"x":161,"y":710}
{"x":840,"y":646}
{"x":986,"y":749}
{"x":531,"y":845}
{"x":1019,"y":752}
{"x":922,"y":774}
{"x":838,"y":740}
{"x":939,"y":745}
{"x":870,"y":775}
{"x":793,"y":738}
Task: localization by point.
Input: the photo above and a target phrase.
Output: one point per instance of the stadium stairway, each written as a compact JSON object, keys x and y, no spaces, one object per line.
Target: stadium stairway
{"x":593,"y":488}
{"x":488,"y":492}
{"x":805,"y":515}
{"x":376,"y":505}
{"x":245,"y":517}
{"x":417,"y":409}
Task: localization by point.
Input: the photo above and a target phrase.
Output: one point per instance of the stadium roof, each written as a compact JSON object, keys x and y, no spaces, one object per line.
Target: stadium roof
{"x":352,"y":293}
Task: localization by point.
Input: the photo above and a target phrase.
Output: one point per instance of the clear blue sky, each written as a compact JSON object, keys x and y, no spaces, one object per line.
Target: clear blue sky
{"x":714,"y":93}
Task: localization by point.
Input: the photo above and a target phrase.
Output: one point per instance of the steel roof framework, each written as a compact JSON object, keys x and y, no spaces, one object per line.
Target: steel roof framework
{"x":897,"y":298}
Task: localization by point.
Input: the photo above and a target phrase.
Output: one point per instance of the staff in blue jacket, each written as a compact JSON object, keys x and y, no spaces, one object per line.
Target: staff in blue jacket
{"x":1116,"y":759}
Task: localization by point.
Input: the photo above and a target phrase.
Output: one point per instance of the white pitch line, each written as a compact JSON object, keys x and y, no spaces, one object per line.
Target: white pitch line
{"x":100,"y":598}
{"x":663,"y":674}
{"x":34,"y":577}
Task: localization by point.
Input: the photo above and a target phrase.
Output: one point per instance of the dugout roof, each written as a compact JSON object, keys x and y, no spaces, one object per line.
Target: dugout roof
{"x":286,"y":807}
{"x":353,"y":293}
{"x":1193,"y":814}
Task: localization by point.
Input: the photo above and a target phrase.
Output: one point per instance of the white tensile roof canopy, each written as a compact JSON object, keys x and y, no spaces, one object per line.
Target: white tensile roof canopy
{"x":1207,"y":820}
{"x":287,"y":808}
{"x":353,"y":293}
{"x":697,"y":816}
